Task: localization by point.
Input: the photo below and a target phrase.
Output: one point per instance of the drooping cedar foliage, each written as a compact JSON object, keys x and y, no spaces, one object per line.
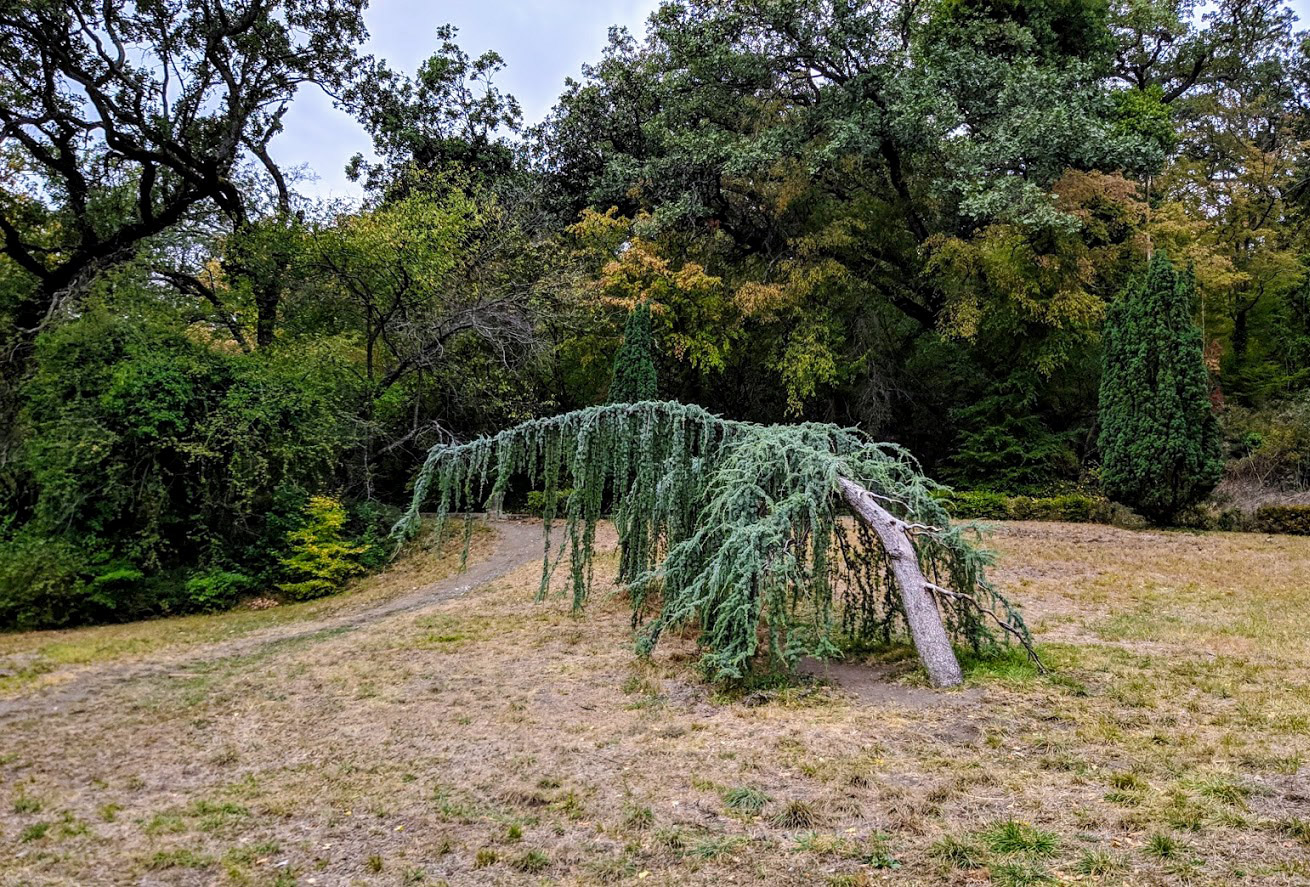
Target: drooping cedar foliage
{"x":733,"y":527}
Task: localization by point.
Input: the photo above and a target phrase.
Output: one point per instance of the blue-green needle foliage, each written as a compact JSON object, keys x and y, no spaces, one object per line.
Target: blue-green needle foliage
{"x":732,"y":527}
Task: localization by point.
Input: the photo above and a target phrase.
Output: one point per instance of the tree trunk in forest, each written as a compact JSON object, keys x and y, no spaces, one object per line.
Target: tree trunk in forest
{"x":925,"y":621}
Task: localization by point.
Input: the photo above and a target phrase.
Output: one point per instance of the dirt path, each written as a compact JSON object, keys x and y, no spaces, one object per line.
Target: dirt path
{"x":516,"y":544}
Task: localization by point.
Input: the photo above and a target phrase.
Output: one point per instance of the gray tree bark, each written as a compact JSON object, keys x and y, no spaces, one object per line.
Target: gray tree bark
{"x":925,"y":621}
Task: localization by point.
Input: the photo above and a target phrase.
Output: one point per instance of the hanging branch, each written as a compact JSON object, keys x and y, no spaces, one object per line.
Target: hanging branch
{"x":739,"y":529}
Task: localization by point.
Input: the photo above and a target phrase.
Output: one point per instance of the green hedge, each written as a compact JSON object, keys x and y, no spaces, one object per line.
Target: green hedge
{"x":1291,"y":519}
{"x":986,"y":505}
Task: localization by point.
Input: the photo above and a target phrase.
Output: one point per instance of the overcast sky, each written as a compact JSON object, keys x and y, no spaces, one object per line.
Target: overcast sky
{"x":542,"y":41}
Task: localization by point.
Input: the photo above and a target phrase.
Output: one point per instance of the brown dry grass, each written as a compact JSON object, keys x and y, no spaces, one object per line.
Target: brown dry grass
{"x":48,"y":657}
{"x":491,"y":740}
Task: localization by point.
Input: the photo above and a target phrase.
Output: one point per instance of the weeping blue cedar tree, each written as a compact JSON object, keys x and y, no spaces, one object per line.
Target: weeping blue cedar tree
{"x":1159,"y":439}
{"x":732,"y":527}
{"x":634,"y":365}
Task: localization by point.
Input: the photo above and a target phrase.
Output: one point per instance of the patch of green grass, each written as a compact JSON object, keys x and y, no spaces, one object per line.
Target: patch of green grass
{"x":638,"y":685}
{"x":1163,"y":846}
{"x":850,"y":879}
{"x":1184,"y":813}
{"x":1097,"y":862}
{"x":611,"y":869}
{"x":1127,"y":781}
{"x":570,"y":805}
{"x":179,"y":859}
{"x":24,"y":675}
{"x":70,"y":826}
{"x":638,"y":818}
{"x":1295,"y":828}
{"x":109,"y":812}
{"x":1005,"y":665}
{"x":214,"y":816}
{"x":26,"y":804}
{"x":1012,"y":836}
{"x":374,"y":863}
{"x":1124,"y":799}
{"x":513,"y":833}
{"x":165,"y":823}
{"x":717,"y":846}
{"x":1225,"y":789}
{"x":456,"y":810}
{"x":251,"y":853}
{"x":34,"y":832}
{"x":825,"y":844}
{"x":796,"y":815}
{"x":958,"y":853}
{"x":530,"y":862}
{"x":485,"y":857}
{"x":1019,"y":874}
{"x":877,"y":853}
{"x":674,"y":839}
{"x":744,"y":799}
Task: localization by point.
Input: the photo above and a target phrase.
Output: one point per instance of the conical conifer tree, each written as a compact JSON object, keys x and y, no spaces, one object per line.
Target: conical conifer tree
{"x":634,"y":365}
{"x":1159,"y":439}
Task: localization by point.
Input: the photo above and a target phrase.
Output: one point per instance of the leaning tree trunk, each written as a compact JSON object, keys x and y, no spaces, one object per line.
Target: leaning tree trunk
{"x":925,"y":621}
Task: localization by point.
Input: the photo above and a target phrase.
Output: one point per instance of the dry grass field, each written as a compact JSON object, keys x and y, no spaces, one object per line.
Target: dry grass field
{"x":487,"y":739}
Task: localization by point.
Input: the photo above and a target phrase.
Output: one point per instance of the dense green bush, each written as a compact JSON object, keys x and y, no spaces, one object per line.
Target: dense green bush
{"x":43,"y":583}
{"x":157,"y":458}
{"x":369,"y":524}
{"x":976,"y":505}
{"x":217,"y":589}
{"x":987,"y":505}
{"x":1159,"y":439}
{"x":1292,"y":519}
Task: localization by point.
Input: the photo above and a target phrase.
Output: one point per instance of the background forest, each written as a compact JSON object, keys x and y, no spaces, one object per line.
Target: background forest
{"x":915,"y":217}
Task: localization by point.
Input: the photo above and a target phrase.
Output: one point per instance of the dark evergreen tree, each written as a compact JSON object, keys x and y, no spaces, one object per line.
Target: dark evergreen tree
{"x":634,"y":365}
{"x":1159,"y":439}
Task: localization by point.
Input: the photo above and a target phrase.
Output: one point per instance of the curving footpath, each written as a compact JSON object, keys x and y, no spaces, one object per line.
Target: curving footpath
{"x":516,"y":544}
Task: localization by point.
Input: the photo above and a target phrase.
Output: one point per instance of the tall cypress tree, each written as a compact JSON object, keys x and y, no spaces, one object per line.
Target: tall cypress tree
{"x":634,"y":365}
{"x":1159,"y":439}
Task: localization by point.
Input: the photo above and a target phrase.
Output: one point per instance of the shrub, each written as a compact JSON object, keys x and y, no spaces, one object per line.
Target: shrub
{"x":1271,"y":445}
{"x":1290,"y":519}
{"x":216,"y":589}
{"x":537,"y":501}
{"x":987,"y":505}
{"x":321,"y":560}
{"x":42,"y":584}
{"x":371,"y":522}
{"x":1070,"y":507}
{"x":976,"y":505}
{"x":1233,"y":520}
{"x":1159,"y":440}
